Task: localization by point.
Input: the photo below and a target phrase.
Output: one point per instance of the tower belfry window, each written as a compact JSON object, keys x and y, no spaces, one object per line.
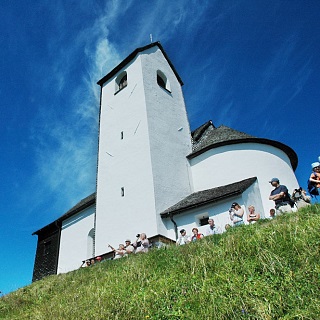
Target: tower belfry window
{"x":121,"y":81}
{"x":163,"y":81}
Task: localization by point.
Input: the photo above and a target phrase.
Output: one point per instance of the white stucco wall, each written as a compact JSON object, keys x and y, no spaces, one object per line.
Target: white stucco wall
{"x":74,"y":240}
{"x":147,"y":161}
{"x":169,"y":134}
{"x":227,"y":164}
{"x":123,"y":163}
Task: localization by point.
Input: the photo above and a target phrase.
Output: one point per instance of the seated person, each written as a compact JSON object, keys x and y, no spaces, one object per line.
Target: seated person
{"x":141,"y":244}
{"x":129,"y":247}
{"x":272,"y":213}
{"x":300,"y":198}
{"x":183,"y":238}
{"x":118,"y":253}
{"x":227,"y":226}
{"x":253,"y":216}
{"x":236,"y":214}
{"x":212,"y":228}
{"x":196,"y":235}
{"x":315,"y":176}
{"x":85,"y":263}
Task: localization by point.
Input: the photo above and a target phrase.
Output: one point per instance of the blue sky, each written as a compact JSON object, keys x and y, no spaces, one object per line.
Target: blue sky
{"x":251,"y":65}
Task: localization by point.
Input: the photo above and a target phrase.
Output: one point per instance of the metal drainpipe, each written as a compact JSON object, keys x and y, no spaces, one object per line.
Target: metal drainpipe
{"x":175,"y":226}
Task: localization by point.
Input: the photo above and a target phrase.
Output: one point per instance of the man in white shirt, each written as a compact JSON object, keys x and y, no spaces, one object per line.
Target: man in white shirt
{"x":212,"y":228}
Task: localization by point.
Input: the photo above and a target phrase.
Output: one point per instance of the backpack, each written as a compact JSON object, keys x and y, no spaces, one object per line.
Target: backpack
{"x":312,"y":189}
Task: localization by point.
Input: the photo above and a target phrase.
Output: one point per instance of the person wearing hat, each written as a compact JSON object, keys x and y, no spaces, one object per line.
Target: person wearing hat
{"x":315,"y":175}
{"x":183,"y":238}
{"x":236,"y":214}
{"x":280,"y":196}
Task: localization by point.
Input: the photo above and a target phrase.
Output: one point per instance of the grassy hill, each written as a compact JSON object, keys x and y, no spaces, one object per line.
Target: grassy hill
{"x":269,"y":270}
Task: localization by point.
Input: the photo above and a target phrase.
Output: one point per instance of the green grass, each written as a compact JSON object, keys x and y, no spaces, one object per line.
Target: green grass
{"x":269,"y":270}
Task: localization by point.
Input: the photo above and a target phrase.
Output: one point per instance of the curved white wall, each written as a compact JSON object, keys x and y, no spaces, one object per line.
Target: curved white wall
{"x":231,"y":163}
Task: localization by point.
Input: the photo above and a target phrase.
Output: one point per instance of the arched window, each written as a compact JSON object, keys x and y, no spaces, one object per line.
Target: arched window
{"x":163,"y":81}
{"x":90,"y":244}
{"x":121,"y":81}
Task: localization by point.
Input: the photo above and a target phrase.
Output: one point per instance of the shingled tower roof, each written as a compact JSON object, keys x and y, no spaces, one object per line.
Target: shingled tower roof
{"x":207,"y":137}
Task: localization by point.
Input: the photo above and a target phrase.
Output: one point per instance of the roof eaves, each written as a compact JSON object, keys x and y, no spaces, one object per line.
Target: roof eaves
{"x":131,"y":56}
{"x":289,"y":151}
{"x":197,"y":205}
{"x":81,"y":205}
{"x":238,"y":188}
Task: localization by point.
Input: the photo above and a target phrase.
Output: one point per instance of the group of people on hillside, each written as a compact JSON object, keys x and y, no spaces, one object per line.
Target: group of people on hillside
{"x":140,"y":245}
{"x":90,"y":262}
{"x":236,"y":216}
{"x":284,"y":203}
{"x":196,"y":235}
{"x":280,"y":195}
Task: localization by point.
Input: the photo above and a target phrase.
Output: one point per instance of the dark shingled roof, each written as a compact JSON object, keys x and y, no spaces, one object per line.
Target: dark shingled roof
{"x":83,"y":204}
{"x":131,"y":56}
{"x":207,"y":137}
{"x":204,"y":197}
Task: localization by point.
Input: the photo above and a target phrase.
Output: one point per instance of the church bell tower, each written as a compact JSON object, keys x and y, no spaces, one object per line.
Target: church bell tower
{"x":144,"y":138}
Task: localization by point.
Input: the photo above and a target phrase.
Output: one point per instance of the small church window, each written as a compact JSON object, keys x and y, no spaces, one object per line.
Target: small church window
{"x":121,"y":81}
{"x":122,"y":192}
{"x":203,"y":221}
{"x":90,"y":243}
{"x":163,"y":81}
{"x":121,"y":135}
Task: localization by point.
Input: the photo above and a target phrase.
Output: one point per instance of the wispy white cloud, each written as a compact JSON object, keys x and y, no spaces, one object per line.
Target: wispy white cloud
{"x":65,"y":130}
{"x":284,"y":68}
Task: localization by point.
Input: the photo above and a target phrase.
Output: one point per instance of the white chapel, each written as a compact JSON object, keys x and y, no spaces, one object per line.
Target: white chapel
{"x":156,"y":176}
